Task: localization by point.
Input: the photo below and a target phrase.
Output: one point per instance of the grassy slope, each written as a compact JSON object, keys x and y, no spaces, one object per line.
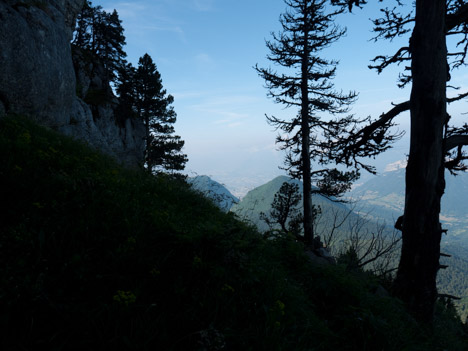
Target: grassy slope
{"x":94,"y":257}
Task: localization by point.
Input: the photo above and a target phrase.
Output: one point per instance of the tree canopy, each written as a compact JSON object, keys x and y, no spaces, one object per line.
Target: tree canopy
{"x":101,"y":33}
{"x":142,"y":95}
{"x":140,"y":91}
{"x":284,"y":211}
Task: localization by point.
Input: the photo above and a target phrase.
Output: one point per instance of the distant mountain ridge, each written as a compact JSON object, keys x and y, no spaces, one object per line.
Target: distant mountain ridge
{"x":381,"y":200}
{"x":384,"y":197}
{"x":259,"y":200}
{"x":215,"y":191}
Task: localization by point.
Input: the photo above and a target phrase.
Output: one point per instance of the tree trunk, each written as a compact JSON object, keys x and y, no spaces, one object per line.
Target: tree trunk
{"x":305,"y":152}
{"x":307,"y":186}
{"x":415,"y":283}
{"x":147,"y":149}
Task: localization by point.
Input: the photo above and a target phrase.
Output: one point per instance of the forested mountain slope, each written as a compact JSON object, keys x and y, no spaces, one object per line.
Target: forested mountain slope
{"x":259,"y":200}
{"x":383,"y":197}
{"x":334,"y":221}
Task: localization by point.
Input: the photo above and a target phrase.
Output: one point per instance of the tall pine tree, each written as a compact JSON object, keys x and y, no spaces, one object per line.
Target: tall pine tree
{"x":101,"y":34}
{"x":154,"y":106}
{"x":126,"y":92}
{"x":305,"y":83}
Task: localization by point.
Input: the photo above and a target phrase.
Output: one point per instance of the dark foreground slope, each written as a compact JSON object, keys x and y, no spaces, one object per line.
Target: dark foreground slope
{"x":96,"y":257}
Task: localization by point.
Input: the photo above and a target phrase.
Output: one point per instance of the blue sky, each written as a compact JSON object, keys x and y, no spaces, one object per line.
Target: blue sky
{"x":205,"y":51}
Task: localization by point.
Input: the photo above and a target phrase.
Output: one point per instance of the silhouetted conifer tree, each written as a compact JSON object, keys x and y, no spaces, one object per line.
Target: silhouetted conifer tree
{"x":284,"y":211}
{"x":84,"y":23}
{"x":153,"y":106}
{"x":165,"y":153}
{"x":101,"y":33}
{"x":140,"y":90}
{"x":126,"y":91}
{"x":304,"y":82}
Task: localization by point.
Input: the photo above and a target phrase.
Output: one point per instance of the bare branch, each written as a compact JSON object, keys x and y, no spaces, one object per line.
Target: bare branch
{"x":371,"y":139}
{"x":388,"y":60}
{"x":455,"y":141}
{"x":458,"y":18}
{"x":456,"y":98}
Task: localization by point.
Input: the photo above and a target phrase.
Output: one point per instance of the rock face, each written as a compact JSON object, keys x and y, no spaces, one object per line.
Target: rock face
{"x":96,"y":122}
{"x":37,"y":78}
{"x":215,"y":191}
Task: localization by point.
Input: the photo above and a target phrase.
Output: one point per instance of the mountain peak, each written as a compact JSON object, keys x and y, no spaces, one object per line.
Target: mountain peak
{"x":395,"y":166}
{"x":213,"y":190}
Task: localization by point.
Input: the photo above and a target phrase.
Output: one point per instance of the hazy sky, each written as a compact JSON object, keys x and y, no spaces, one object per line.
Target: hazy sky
{"x":205,"y":51}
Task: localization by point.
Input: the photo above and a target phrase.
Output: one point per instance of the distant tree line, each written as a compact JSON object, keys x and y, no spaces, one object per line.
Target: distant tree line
{"x":139,"y":89}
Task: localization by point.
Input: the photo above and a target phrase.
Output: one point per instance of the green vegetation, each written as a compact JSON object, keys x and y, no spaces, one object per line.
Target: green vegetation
{"x":94,"y":257}
{"x":384,"y":197}
{"x":98,"y":43}
{"x":454,"y":279}
{"x":260,"y":199}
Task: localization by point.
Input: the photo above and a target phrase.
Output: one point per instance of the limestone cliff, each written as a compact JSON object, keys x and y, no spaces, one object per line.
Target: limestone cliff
{"x":37,"y":78}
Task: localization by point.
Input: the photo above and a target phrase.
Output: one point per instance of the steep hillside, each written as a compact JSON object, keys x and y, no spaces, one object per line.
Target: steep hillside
{"x":97,"y":257}
{"x":260,"y":199}
{"x":382,"y":196}
{"x":335,"y":218}
{"x":454,"y":279}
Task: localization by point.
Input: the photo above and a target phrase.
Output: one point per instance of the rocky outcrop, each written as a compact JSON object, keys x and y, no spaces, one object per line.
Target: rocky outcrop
{"x":37,"y":78}
{"x":125,"y":142}
{"x":94,"y":116}
{"x":214,"y":191}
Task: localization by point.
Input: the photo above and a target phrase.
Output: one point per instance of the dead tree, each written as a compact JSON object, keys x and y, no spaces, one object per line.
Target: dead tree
{"x":435,"y":145}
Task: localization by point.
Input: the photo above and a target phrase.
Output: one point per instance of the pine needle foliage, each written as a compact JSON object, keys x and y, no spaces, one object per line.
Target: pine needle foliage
{"x":304,"y":81}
